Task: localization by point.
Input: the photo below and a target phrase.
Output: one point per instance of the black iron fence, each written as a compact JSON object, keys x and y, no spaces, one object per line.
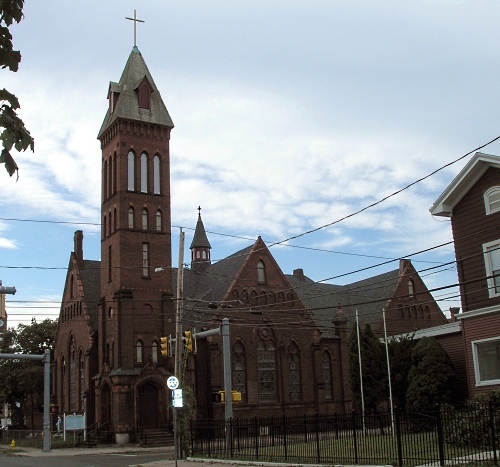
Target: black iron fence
{"x":444,"y":436}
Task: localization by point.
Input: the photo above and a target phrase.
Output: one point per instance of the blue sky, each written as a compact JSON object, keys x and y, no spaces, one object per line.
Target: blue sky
{"x":288,"y":116}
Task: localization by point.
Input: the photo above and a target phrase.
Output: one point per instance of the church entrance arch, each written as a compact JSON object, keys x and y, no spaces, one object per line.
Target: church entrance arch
{"x":148,"y":405}
{"x":106,"y":405}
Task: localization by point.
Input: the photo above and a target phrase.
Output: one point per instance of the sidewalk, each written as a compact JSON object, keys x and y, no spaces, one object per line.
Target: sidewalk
{"x":169,"y":460}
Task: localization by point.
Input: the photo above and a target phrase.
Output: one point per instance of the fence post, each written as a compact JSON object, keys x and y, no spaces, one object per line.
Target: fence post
{"x":256,"y":438}
{"x":318,"y":453}
{"x":284,"y":437}
{"x":493,"y":434}
{"x":398,"y":438}
{"x":354,"y":437}
{"x":440,"y":436}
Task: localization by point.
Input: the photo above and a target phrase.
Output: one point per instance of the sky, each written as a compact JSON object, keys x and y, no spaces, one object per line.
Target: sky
{"x":289,"y":116}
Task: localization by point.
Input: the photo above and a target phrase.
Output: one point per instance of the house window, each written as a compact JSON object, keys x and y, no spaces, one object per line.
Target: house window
{"x":486,"y":355}
{"x":144,"y":173}
{"x":145,"y":259}
{"x":294,"y":392}
{"x":144,"y":219}
{"x":131,"y":171}
{"x":138,"y":350}
{"x":492,"y":200}
{"x":266,"y":370}
{"x":131,"y":217}
{"x":327,"y":375}
{"x":492,"y":262}
{"x":158,"y":221}
{"x":156,"y":175}
{"x":239,"y":375}
{"x":261,"y":272}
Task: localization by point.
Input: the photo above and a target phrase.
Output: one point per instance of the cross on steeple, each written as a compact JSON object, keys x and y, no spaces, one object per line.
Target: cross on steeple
{"x":135,"y":20}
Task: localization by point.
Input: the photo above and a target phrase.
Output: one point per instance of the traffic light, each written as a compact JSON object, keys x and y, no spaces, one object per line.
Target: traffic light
{"x":164,"y":346}
{"x":219,"y":396}
{"x":188,"y":338}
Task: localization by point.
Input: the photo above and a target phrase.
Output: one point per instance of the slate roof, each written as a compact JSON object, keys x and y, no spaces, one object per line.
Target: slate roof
{"x":200,"y":239}
{"x":90,"y":275}
{"x":127,"y":105}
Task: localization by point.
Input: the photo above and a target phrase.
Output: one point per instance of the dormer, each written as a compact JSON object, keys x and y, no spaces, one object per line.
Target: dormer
{"x":144,"y":91}
{"x":113,"y":94}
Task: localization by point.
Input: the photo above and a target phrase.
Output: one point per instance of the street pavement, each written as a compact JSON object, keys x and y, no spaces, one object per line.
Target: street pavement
{"x":123,"y":449}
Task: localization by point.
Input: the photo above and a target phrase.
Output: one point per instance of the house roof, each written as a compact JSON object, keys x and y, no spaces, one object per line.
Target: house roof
{"x":127,"y":104}
{"x":463,"y":182}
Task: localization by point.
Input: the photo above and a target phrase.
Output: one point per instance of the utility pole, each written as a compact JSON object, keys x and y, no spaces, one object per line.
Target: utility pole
{"x":178,"y":336}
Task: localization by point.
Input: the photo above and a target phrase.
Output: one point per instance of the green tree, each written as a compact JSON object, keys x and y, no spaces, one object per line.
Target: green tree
{"x":374,"y":369}
{"x":431,"y":379}
{"x":22,"y":381}
{"x":400,"y":359}
{"x":14,"y":134}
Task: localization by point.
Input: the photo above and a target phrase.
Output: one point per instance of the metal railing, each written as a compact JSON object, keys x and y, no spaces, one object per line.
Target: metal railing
{"x":405,"y":439}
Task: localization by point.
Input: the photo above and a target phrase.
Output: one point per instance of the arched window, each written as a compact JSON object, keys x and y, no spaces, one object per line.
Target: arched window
{"x":198,"y":254}
{"x":110,"y":177}
{"x":109,"y":223}
{"x":239,"y":375}
{"x":144,"y":96}
{"x":104,"y":226}
{"x":294,"y":380}
{"x":158,"y":221}
{"x":144,"y":219}
{"x":154,"y":352}
{"x":411,"y":289}
{"x":130,"y":217}
{"x":266,"y":371}
{"x":113,"y":188}
{"x":81,"y":369}
{"x":492,"y":200}
{"x":420,"y":312}
{"x":263,"y":298}
{"x":144,"y":173}
{"x":105,"y":180}
{"x":427,"y":312}
{"x":114,"y":220}
{"x":156,"y":175}
{"x":72,"y":376}
{"x":327,"y":375}
{"x":261,"y":272}
{"x":131,"y":171}
{"x":139,"y":351}
{"x":203,"y":254}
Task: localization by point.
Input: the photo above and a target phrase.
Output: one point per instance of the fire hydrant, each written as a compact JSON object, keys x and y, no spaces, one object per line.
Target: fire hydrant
{"x":13,"y":445}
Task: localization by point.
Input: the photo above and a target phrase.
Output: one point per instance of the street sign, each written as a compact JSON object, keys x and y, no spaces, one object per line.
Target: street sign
{"x":172,"y":382}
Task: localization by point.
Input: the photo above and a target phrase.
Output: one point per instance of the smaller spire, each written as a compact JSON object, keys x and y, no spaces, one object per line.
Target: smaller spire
{"x":200,"y":246}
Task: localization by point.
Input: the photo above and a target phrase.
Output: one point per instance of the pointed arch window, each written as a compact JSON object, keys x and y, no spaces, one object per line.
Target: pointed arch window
{"x":130,"y":217}
{"x":492,"y":200}
{"x":105,"y":180}
{"x":144,"y":173}
{"x":72,"y":376}
{"x":411,"y":289}
{"x":154,"y":352}
{"x":294,"y":379}
{"x":144,"y":96}
{"x":131,"y":171}
{"x":139,"y":352}
{"x":261,"y":272}
{"x":104,"y":226}
{"x":110,"y":177}
{"x":156,"y":175}
{"x":327,"y":375}
{"x":115,"y":221}
{"x":144,"y":219}
{"x":239,"y":375}
{"x":266,"y":371}
{"x":158,"y":221}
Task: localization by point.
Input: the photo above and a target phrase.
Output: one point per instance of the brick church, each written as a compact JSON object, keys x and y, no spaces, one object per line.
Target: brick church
{"x":288,"y":334}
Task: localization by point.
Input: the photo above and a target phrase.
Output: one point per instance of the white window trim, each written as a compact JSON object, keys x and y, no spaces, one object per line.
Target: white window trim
{"x":474,"y":344}
{"x":489,"y":269}
{"x":487,"y":195}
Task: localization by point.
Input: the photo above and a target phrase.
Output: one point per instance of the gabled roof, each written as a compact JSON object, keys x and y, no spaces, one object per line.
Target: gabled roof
{"x":463,"y":182}
{"x":127,"y":104}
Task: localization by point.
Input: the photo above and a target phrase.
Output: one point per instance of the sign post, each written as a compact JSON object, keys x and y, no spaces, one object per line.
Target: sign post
{"x":173,"y":384}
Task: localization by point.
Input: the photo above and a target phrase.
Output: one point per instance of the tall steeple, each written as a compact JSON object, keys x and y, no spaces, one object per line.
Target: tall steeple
{"x":200,"y":247}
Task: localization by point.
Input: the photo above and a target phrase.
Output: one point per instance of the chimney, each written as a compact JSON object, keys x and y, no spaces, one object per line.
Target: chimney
{"x":299,"y":273}
{"x":403,"y":264}
{"x":78,"y":248}
{"x":454,"y":310}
